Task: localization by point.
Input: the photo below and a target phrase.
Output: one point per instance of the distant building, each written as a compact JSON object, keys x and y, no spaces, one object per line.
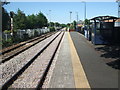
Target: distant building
{"x":80,"y":23}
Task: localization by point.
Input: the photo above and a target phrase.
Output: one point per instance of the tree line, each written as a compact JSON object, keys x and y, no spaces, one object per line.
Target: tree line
{"x":21,"y":21}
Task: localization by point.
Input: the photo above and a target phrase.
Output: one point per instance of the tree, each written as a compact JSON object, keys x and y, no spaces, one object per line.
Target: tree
{"x":57,"y":24}
{"x":51,"y":24}
{"x":87,"y":22}
{"x":5,"y":17}
{"x":41,"y":20}
{"x":31,"y":21}
{"x":5,"y":20}
{"x":68,"y":24}
{"x":20,"y":20}
{"x":74,"y":24}
{"x":36,"y":21}
{"x":63,"y":25}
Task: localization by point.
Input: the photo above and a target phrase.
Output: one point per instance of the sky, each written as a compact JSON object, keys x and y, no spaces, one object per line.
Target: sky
{"x":60,"y":11}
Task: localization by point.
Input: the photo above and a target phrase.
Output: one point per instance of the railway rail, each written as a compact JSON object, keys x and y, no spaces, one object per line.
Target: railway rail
{"x":14,"y":50}
{"x":33,"y":69}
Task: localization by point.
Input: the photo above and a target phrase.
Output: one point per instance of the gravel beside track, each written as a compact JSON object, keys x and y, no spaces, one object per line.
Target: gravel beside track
{"x":7,"y":49}
{"x":32,"y":75}
{"x":16,"y":63}
{"x":50,"y":72}
{"x":17,"y":49}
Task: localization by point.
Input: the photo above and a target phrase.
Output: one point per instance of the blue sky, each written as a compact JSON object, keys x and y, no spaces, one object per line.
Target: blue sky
{"x":60,"y":10}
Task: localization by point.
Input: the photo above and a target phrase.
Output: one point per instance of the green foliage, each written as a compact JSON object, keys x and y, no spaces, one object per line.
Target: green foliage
{"x":5,"y":20}
{"x":36,"y":33}
{"x":7,"y":31}
{"x":51,"y":24}
{"x":71,"y":27}
{"x":7,"y":43}
{"x":41,"y":20}
{"x":74,"y":24}
{"x":87,"y":22}
{"x":63,"y":25}
{"x":20,"y":20}
{"x":36,"y":21}
{"x":0,"y":42}
{"x":26,"y":36}
{"x":68,"y":24}
{"x":31,"y":21}
{"x":52,"y":29}
{"x":57,"y":24}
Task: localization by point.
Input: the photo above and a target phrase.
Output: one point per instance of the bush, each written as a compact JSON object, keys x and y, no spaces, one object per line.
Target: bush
{"x":52,"y":29}
{"x":36,"y":33}
{"x":26,"y":36}
{"x":7,"y":31}
{"x":72,"y":27}
{"x":7,"y":43}
{"x":16,"y":38}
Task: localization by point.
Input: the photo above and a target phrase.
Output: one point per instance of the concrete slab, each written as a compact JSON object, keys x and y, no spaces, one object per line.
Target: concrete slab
{"x":63,"y":73}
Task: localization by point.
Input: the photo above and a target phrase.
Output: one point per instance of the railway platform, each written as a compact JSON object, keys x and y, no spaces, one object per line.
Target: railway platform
{"x":78,"y":65}
{"x":56,"y":60}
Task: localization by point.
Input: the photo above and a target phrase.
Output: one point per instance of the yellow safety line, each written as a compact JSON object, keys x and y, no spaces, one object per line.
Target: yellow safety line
{"x":79,"y":74}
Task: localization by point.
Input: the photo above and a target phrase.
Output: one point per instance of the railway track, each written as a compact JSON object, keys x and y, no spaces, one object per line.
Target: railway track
{"x":14,"y":50}
{"x":32,"y":72}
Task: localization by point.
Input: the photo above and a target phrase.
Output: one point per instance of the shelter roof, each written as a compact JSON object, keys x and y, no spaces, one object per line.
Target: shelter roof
{"x":102,"y":18}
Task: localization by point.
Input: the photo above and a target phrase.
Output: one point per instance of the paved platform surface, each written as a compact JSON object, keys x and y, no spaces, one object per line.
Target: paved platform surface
{"x":63,"y":74}
{"x":80,"y":66}
{"x":98,"y":73}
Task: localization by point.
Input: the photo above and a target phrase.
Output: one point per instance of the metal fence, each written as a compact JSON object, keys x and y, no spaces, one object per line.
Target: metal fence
{"x":28,"y":32}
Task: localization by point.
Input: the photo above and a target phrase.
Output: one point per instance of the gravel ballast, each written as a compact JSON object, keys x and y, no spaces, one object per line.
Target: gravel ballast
{"x":12,"y":66}
{"x":32,"y":75}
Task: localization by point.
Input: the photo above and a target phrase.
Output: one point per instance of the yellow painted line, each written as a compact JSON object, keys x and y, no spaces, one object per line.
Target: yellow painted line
{"x":79,"y":74}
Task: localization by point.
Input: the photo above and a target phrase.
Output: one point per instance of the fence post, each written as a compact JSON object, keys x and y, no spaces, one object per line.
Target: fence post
{"x":6,"y":38}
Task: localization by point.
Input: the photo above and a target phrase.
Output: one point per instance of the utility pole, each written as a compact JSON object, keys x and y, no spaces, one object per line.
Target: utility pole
{"x":118,"y":1}
{"x":70,"y":16}
{"x":50,"y":18}
{"x":77,"y":16}
{"x":84,"y":10}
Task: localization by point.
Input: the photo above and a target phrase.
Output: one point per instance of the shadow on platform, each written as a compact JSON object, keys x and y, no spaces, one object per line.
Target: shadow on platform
{"x":112,"y":54}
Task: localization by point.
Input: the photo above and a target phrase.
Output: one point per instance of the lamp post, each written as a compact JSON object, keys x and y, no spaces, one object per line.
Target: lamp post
{"x":84,"y":10}
{"x":77,"y":16}
{"x":70,"y":16}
